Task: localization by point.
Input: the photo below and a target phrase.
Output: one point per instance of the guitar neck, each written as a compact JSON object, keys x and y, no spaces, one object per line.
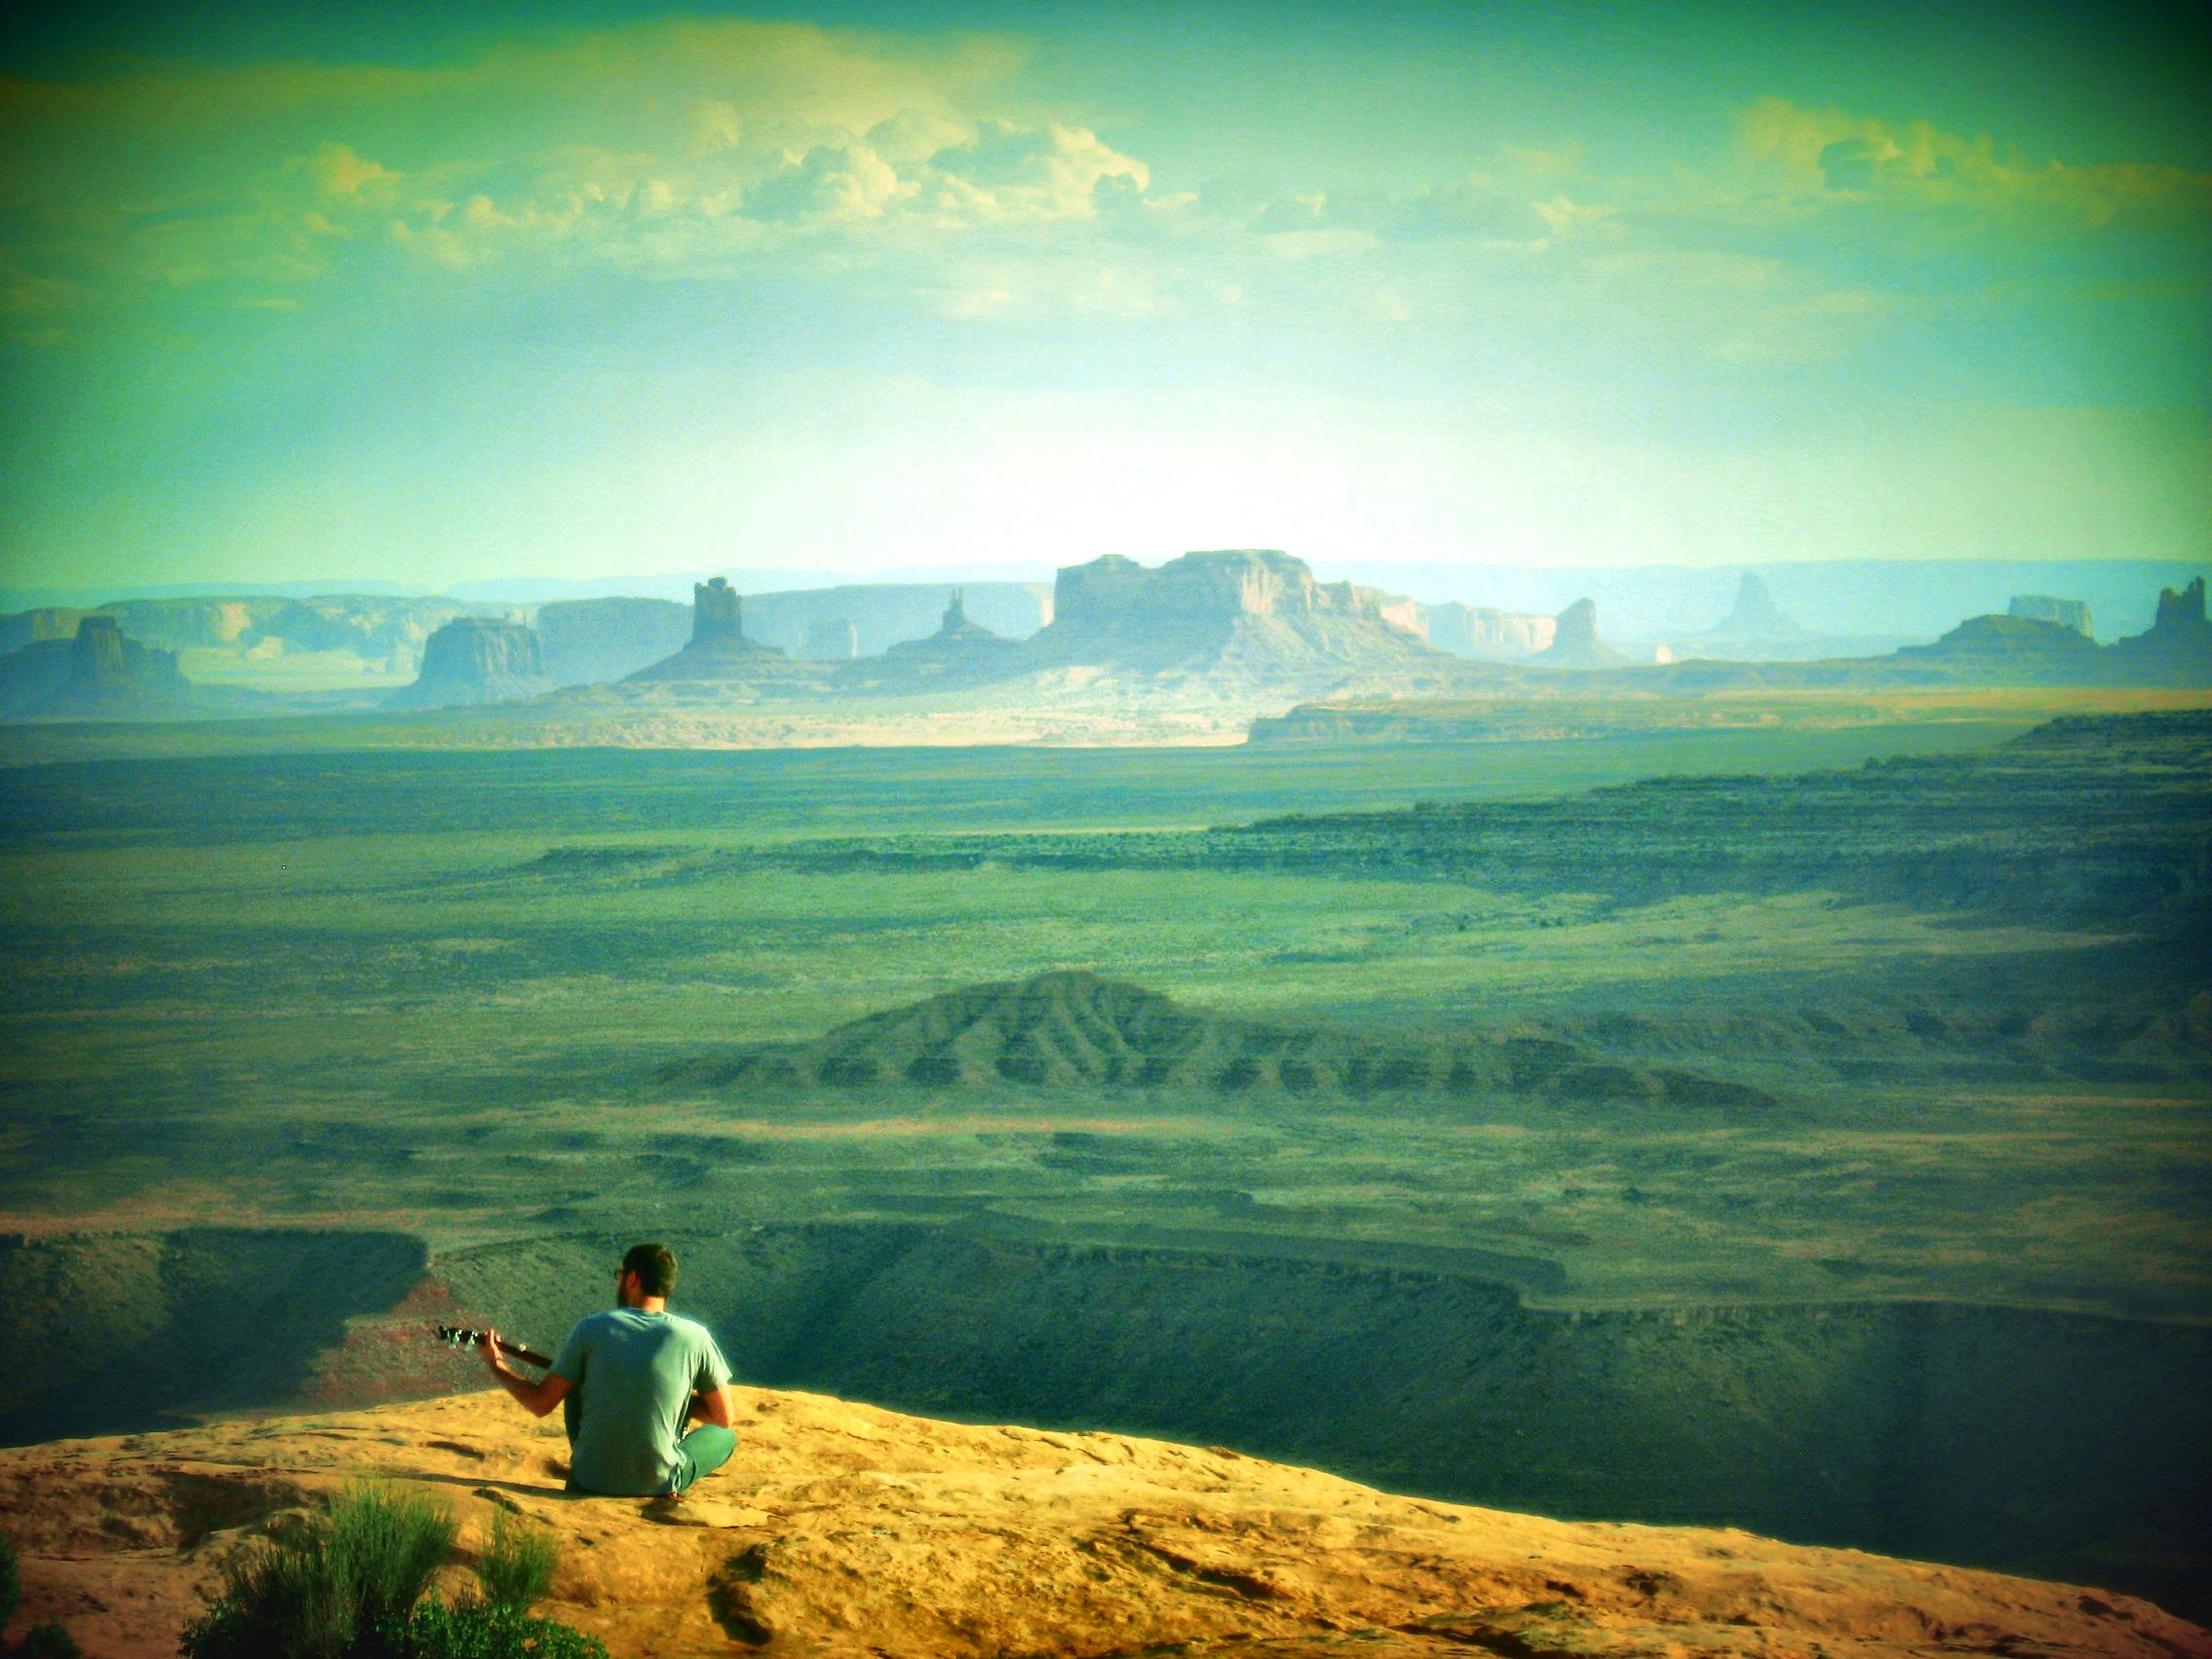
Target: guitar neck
{"x":529,"y":1356}
{"x":457,"y":1337}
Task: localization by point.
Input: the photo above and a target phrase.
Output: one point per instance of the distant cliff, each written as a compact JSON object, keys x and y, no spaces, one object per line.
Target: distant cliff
{"x":475,"y":660}
{"x":2176,"y":649}
{"x":1239,"y":614}
{"x":1488,"y":634}
{"x":595,"y":642}
{"x":98,"y":673}
{"x":883,"y":614}
{"x":1575,"y":642}
{"x":2071,"y":614}
{"x":719,"y":650}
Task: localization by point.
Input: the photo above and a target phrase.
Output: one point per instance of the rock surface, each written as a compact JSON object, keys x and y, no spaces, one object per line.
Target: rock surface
{"x":1241,"y":614}
{"x":842,"y":1529}
{"x":2181,"y":607}
{"x":717,"y":650}
{"x":1487,"y":633}
{"x":1575,"y":642}
{"x":2071,"y":614}
{"x":98,"y":673}
{"x":961,"y":647}
{"x":472,"y":660}
{"x":883,"y":614}
{"x":1754,"y":612}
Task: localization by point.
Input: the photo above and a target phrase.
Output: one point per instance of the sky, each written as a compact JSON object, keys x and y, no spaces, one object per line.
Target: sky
{"x":431,"y":293}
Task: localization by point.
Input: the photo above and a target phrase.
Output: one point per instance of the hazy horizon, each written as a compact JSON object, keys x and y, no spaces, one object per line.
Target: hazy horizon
{"x":582,"y":288}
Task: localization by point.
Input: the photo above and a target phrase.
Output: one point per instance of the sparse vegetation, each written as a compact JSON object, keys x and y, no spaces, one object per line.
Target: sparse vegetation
{"x":353,"y":1583}
{"x":516,"y":1569}
{"x":1805,"y":1079}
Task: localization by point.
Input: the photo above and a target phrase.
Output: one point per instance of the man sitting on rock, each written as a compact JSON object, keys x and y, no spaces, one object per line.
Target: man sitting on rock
{"x":629,"y":1379}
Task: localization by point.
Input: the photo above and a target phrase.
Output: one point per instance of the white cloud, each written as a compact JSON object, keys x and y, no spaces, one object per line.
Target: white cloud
{"x":828,"y":183}
{"x":1829,"y":153}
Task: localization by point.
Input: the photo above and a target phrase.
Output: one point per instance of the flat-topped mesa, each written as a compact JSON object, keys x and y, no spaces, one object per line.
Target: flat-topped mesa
{"x":1257,"y":612}
{"x":1248,"y":581}
{"x":94,"y":672}
{"x":717,"y":612}
{"x":2071,"y":614}
{"x":475,"y":660}
{"x":99,"y":655}
{"x":1488,"y":632}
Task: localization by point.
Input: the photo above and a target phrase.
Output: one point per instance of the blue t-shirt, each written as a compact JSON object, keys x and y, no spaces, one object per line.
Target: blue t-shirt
{"x":631,"y":1377}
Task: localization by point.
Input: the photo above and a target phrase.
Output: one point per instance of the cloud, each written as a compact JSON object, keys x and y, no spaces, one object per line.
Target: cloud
{"x":844,"y":183}
{"x":1826,"y":152}
{"x":1056,"y":173}
{"x":342,"y":172}
{"x":102,"y":172}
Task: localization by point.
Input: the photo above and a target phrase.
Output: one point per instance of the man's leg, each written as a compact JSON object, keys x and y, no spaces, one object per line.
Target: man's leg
{"x":705,"y":1449}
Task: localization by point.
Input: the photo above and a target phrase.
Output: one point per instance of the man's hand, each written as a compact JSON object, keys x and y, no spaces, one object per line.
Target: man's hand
{"x":537,"y":1398}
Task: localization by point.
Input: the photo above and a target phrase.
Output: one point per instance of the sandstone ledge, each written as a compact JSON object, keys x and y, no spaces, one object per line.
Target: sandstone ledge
{"x":842,"y":1529}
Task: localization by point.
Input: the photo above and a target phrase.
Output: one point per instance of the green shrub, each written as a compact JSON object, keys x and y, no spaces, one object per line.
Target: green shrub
{"x":351,"y":1583}
{"x":328,"y":1586}
{"x":47,"y":1640}
{"x":485,"y":1630}
{"x":384,"y":1544}
{"x":517,"y":1566}
{"x":11,"y":1584}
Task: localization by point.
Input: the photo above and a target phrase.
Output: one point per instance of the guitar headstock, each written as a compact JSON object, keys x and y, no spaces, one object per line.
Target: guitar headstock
{"x":461,"y":1337}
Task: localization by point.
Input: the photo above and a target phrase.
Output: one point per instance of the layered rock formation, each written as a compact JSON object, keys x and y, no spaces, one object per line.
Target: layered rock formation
{"x":1754,"y":614}
{"x":883,"y":614}
{"x":1754,"y":628}
{"x":2010,"y":647}
{"x":33,"y":675}
{"x":370,"y":625}
{"x":717,"y":650}
{"x":2177,"y":649}
{"x":1575,"y":642}
{"x":1242,"y":614}
{"x":2071,"y":614}
{"x":21,"y":628}
{"x":959,"y":649}
{"x":2183,"y":607}
{"x":473,"y":660}
{"x":839,"y":1530}
{"x":593,"y":642}
{"x":1488,"y":634}
{"x":100,"y":673}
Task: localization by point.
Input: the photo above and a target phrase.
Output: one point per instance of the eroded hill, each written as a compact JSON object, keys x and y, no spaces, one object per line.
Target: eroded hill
{"x":1074,"y":1027}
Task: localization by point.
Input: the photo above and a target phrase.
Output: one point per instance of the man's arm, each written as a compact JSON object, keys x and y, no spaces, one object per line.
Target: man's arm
{"x":537,"y":1398}
{"x":711,"y":1405}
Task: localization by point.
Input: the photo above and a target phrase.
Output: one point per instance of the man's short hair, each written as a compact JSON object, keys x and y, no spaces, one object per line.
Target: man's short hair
{"x":655,"y":1267}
